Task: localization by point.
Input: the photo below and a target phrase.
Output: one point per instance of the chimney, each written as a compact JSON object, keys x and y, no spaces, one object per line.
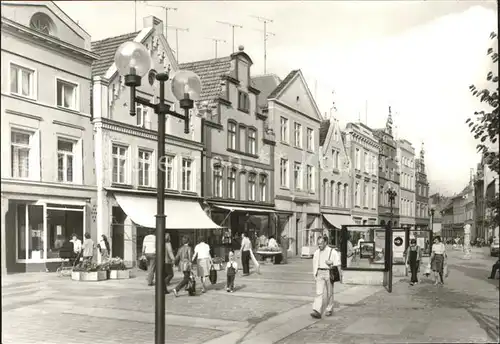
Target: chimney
{"x":152,"y":21}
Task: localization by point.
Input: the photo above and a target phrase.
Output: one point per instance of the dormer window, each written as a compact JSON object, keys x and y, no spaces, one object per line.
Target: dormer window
{"x":42,"y":23}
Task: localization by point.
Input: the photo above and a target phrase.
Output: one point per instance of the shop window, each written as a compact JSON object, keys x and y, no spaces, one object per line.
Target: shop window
{"x":30,"y":232}
{"x":62,"y":223}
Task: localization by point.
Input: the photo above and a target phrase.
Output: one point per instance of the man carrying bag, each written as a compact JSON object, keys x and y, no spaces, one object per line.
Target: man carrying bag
{"x":326,"y":262}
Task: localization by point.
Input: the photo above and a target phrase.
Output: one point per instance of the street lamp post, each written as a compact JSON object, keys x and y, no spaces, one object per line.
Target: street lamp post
{"x":392,"y":196}
{"x":133,"y":61}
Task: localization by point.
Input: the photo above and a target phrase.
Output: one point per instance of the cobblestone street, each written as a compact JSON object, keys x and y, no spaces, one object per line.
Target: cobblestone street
{"x":464,"y":310}
{"x":44,"y":308}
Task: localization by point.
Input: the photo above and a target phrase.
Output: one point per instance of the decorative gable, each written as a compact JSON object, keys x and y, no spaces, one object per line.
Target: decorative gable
{"x":46,"y":17}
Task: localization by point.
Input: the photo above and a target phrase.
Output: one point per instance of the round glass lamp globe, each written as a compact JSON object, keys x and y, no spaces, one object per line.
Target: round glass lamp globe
{"x":186,"y":82}
{"x":132,"y":58}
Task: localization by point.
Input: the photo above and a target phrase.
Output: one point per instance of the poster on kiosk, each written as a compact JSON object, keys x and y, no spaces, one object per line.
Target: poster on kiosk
{"x":398,"y":247}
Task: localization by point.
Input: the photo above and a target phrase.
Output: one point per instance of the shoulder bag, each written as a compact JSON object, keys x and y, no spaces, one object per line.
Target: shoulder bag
{"x":334,"y":270}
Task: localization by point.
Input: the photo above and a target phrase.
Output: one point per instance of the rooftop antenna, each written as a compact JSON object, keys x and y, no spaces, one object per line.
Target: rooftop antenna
{"x":216,"y":41}
{"x":266,"y":36}
{"x":233,"y":26}
{"x":177,"y":29}
{"x":166,"y":9}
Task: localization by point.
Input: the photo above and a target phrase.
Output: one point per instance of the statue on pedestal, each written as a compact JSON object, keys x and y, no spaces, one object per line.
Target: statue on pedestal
{"x":467,"y":248}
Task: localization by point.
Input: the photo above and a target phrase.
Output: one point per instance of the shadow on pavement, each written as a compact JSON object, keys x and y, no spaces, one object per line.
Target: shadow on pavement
{"x":481,"y":274}
{"x":488,"y":323}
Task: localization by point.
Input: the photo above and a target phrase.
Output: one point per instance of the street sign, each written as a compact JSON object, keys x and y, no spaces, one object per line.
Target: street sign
{"x":398,"y":241}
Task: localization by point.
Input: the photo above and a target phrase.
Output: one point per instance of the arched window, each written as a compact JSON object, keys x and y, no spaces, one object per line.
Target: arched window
{"x":251,"y":186}
{"x":217,"y":181}
{"x":263,"y":187}
{"x":325,"y":186}
{"x":231,"y":183}
{"x":42,"y":23}
{"x":338,"y":200}
{"x":346,"y":196}
{"x":332,"y":194}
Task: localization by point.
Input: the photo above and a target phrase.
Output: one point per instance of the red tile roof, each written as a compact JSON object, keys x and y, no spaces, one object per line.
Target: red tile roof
{"x":106,"y":49}
{"x":211,"y":73}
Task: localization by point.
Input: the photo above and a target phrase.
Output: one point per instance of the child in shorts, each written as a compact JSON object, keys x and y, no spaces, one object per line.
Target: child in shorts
{"x":231,"y":269}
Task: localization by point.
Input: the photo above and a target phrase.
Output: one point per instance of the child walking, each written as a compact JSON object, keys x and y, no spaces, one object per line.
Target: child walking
{"x":231,"y":268}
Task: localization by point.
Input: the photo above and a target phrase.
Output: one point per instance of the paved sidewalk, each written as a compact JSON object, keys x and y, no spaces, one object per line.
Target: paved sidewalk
{"x":464,"y":310}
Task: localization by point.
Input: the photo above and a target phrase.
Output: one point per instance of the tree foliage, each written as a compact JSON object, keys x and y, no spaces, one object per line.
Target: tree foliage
{"x":484,"y":125}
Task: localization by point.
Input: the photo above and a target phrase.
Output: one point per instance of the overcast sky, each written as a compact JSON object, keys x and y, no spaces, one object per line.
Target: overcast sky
{"x":417,"y":56}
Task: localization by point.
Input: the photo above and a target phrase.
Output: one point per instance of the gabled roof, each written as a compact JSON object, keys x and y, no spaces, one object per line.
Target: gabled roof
{"x":211,"y":73}
{"x":266,"y":84}
{"x":323,"y":131}
{"x":283,"y":84}
{"x":106,"y":49}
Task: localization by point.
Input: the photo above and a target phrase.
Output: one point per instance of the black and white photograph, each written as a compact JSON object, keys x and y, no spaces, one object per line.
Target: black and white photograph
{"x":249,"y":172}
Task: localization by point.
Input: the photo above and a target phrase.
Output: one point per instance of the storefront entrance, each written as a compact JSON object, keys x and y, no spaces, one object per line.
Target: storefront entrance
{"x":35,"y":231}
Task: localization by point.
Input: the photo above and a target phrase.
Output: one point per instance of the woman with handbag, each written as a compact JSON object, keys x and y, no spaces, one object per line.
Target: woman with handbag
{"x":326,"y":271}
{"x":183,"y":260}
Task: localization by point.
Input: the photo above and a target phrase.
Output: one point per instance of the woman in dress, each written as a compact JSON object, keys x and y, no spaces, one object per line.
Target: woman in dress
{"x":413,"y":255}
{"x":438,"y":256}
{"x":203,"y":261}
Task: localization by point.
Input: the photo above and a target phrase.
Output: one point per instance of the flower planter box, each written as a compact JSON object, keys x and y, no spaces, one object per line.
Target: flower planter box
{"x":119,"y":274}
{"x":92,"y":276}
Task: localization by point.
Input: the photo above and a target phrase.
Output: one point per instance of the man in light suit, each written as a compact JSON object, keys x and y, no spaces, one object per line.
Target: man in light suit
{"x":324,"y":259}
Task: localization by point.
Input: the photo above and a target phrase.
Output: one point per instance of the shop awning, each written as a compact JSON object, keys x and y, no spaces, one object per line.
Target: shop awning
{"x":181,"y":214}
{"x":248,"y":210}
{"x":338,"y":220}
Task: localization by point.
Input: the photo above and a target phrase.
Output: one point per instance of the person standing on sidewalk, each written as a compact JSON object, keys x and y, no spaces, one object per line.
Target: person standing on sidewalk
{"x":285,"y":245}
{"x":246,"y":247}
{"x":88,"y":248}
{"x":231,"y":269}
{"x":169,"y":262}
{"x":203,"y":261}
{"x":324,"y":259}
{"x":149,"y":251}
{"x":413,"y":256}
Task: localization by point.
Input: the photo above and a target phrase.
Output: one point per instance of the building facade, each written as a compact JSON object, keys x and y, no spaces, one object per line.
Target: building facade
{"x":295,"y":117}
{"x":126,"y":156}
{"x":238,"y":161}
{"x":47,"y":194}
{"x":422,"y":215}
{"x":406,"y":161}
{"x":335,"y":178}
{"x":388,"y":175}
{"x":486,"y":186}
{"x":363,"y":148}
